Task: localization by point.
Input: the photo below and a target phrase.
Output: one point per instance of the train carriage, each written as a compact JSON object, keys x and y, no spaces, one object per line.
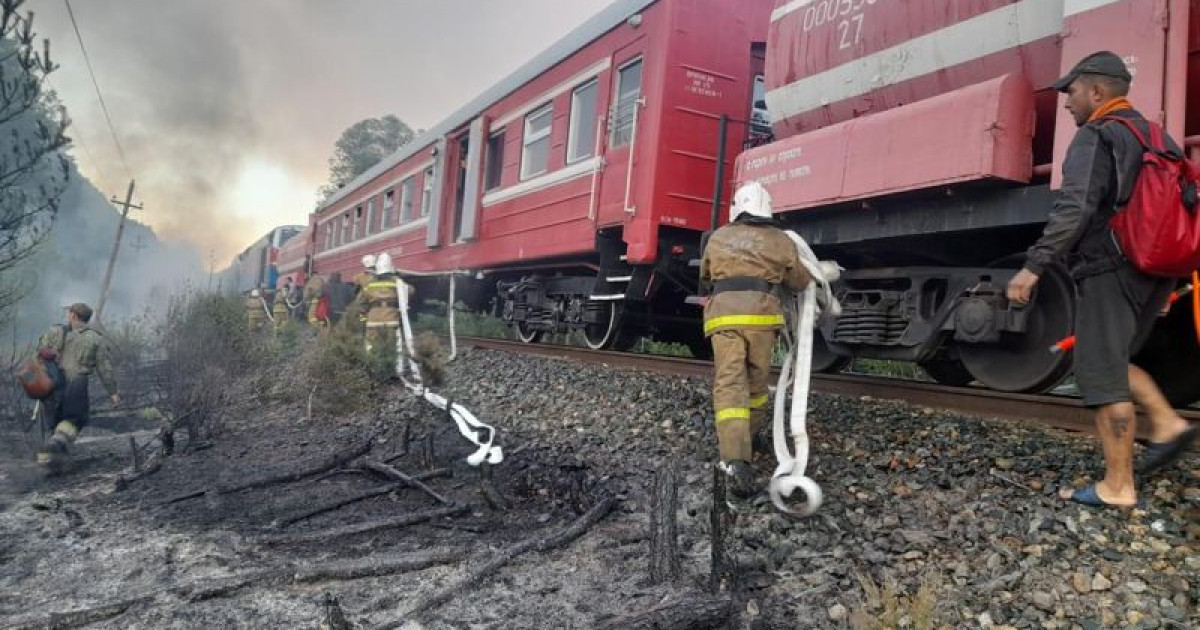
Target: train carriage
{"x":920,"y":144}
{"x":255,"y":267}
{"x":917,"y":143}
{"x":573,"y":191}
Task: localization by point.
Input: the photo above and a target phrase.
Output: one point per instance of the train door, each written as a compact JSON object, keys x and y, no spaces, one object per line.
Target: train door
{"x":615,"y":198}
{"x":467,"y":158}
{"x":460,"y":185}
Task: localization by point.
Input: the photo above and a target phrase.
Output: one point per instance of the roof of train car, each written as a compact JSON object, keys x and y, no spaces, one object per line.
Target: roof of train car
{"x":604,"y":21}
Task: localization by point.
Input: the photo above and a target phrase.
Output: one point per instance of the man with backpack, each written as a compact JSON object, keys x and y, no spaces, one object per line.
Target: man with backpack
{"x":81,"y":351}
{"x":1118,"y":302}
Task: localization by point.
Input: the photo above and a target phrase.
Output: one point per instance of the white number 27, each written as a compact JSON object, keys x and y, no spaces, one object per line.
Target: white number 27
{"x":850,"y":31}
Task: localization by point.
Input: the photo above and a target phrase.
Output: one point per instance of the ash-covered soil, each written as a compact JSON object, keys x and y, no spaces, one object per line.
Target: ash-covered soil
{"x":930,"y":520}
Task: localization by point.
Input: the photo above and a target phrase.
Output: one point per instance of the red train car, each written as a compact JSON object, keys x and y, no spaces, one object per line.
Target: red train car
{"x":294,"y":260}
{"x":920,"y":144}
{"x":575,"y":190}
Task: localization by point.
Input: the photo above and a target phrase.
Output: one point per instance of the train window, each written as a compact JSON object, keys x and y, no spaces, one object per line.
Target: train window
{"x":345,"y":229}
{"x":389,"y":209}
{"x":370,"y":225}
{"x":495,"y":161}
{"x":583,"y":122}
{"x":629,"y":90}
{"x":427,"y":192}
{"x":328,"y":235}
{"x":406,"y":200}
{"x":760,"y":118}
{"x":358,"y":223}
{"x":536,"y":154}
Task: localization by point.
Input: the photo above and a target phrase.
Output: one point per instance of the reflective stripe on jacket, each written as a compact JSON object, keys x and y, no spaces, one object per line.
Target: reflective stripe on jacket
{"x":748,"y":250}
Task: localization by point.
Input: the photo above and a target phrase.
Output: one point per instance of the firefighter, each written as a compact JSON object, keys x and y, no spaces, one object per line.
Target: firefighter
{"x":366,"y":276}
{"x":382,"y":304}
{"x":256,"y":310}
{"x":82,"y":351}
{"x":747,"y":263}
{"x":318,"y":303}
{"x":279,"y":308}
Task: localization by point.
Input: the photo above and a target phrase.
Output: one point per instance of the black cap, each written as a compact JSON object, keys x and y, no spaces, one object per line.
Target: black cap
{"x":1104,"y":63}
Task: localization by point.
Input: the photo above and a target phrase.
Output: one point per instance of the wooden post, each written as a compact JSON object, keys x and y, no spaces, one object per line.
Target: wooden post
{"x":664,"y":529}
{"x":718,"y":521}
{"x":112,"y":258}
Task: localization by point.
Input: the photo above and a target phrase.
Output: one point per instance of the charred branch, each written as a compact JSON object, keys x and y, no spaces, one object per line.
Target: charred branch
{"x":363,"y":528}
{"x":334,"y":461}
{"x":355,"y":498}
{"x":553,"y":541}
{"x":391,"y":473}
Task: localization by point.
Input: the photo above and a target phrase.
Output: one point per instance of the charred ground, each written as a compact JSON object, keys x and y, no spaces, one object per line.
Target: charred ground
{"x":930,"y":520}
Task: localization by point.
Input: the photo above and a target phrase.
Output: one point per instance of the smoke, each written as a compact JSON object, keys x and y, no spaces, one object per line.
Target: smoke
{"x":69,"y":266}
{"x":203,"y":91}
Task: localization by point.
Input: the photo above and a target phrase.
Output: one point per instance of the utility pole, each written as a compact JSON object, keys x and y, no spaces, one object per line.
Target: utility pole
{"x":212,"y":262}
{"x":112,"y":259}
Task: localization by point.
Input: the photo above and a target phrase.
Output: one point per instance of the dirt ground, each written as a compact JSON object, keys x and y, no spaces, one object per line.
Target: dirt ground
{"x":930,"y":521}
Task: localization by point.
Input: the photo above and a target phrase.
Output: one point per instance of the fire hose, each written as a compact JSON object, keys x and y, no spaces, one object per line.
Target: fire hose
{"x":409,"y":372}
{"x":804,"y":308}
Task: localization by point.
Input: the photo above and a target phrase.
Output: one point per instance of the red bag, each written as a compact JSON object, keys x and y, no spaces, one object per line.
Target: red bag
{"x":322,"y":312}
{"x":1158,"y":230}
{"x":35,"y":379}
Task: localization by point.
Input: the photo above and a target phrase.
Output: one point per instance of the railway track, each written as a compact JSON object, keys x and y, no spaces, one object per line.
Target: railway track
{"x":1060,"y":411}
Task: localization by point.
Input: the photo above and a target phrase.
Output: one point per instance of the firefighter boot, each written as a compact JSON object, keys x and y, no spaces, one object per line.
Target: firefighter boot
{"x":54,"y":456}
{"x":739,"y":483}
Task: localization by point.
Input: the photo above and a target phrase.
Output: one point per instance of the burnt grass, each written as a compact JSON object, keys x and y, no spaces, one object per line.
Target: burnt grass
{"x":930,"y":520}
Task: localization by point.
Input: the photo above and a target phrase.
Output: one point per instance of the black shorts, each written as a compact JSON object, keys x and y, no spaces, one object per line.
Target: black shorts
{"x":1115,"y":315}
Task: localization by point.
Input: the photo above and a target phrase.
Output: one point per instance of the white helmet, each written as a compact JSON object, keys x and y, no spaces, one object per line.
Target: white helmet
{"x":752,"y":199}
{"x":254,"y":293}
{"x":368,"y":261}
{"x":383,"y":264}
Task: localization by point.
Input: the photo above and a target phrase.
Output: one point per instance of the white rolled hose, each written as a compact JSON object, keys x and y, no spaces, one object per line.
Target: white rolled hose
{"x":804,"y":309}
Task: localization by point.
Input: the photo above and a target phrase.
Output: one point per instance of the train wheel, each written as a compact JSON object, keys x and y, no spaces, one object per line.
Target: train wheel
{"x":1024,"y":363}
{"x":527,"y":334}
{"x":824,"y":360}
{"x":1170,"y":355}
{"x":946,"y":371}
{"x":604,"y":333}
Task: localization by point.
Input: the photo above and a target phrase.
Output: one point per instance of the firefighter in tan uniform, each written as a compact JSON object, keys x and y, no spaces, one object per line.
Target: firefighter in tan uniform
{"x":367,"y":275}
{"x":279,"y":308}
{"x":256,"y":310}
{"x":314,"y":292}
{"x":381,"y":302}
{"x":746,"y":262}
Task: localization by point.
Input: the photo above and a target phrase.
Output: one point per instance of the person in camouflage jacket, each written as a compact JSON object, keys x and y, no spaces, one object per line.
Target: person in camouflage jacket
{"x":81,"y":351}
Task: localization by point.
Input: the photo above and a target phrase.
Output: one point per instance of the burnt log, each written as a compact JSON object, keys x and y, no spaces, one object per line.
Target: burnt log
{"x":719,"y":522}
{"x":664,"y":527}
{"x":694,"y":611}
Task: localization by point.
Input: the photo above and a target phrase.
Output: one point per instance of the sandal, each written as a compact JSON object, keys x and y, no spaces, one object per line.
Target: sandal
{"x":1160,"y":454}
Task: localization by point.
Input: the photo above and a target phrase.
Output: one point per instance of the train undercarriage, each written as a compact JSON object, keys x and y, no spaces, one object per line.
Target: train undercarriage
{"x":934,"y":297}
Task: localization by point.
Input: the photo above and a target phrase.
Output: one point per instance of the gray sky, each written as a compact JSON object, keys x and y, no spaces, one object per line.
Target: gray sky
{"x":228,"y":109}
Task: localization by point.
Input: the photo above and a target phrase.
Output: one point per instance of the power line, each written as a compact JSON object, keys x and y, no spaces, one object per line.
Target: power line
{"x":103,"y":106}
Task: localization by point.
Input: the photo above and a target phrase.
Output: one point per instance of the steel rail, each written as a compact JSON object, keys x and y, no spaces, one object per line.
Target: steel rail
{"x":1059,"y":411}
